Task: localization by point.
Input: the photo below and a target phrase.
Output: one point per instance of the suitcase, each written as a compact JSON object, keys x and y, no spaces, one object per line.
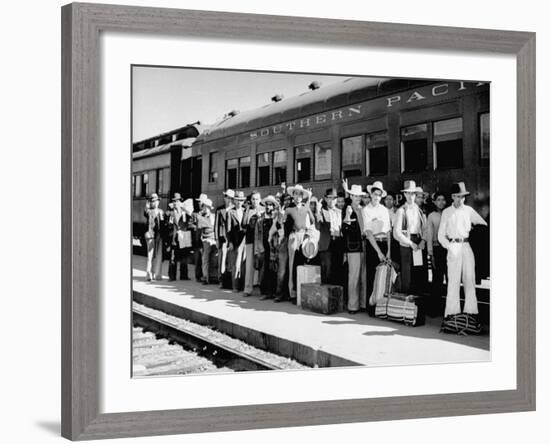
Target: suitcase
{"x":323,"y":298}
{"x":399,"y":307}
{"x":306,"y":274}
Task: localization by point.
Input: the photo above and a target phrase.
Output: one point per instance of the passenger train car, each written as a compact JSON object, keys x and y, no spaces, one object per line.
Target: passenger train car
{"x":362,"y":129}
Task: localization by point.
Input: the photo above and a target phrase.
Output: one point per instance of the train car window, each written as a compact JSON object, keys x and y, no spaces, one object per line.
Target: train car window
{"x":304,"y":161}
{"x":145,"y":187}
{"x":139,"y":185}
{"x":211,"y":167}
{"x":414,"y":148}
{"x":160,"y":180}
{"x":323,"y":161}
{"x":377,"y":154}
{"x":244,"y":171}
{"x":279,"y":167}
{"x":352,"y":156}
{"x":231,"y":173}
{"x":447,"y":144}
{"x":133,"y":185}
{"x":263,"y":169}
{"x":484,"y":137}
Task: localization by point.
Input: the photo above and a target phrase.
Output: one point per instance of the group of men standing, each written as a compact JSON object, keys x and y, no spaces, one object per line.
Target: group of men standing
{"x":257,"y":241}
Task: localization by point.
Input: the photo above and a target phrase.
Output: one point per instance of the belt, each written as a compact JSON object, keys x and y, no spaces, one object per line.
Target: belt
{"x":381,"y":239}
{"x":458,"y":240}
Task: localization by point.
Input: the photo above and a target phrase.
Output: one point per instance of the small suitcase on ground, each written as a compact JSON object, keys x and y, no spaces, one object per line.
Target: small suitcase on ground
{"x":322,"y":298}
{"x":404,"y":308}
{"x":306,"y":274}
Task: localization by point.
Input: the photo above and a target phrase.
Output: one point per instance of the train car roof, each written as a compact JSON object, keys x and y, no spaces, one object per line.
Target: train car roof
{"x":351,"y":90}
{"x":185,"y":143}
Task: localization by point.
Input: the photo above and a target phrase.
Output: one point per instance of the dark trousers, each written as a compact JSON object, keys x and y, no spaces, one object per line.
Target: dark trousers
{"x":282,"y":271}
{"x":268,"y":274}
{"x":372,"y":260}
{"x":414,"y":280}
{"x":439,"y":271}
{"x":332,"y":261}
{"x":326,"y":263}
{"x":180,"y":255}
{"x":198,"y":263}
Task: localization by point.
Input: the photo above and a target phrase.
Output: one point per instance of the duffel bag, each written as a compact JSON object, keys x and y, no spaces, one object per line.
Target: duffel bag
{"x":384,"y":279}
{"x":461,"y":324}
{"x":399,"y":307}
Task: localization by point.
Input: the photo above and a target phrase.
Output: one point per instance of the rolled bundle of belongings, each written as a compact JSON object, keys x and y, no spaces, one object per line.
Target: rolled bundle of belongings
{"x":384,"y":279}
{"x":399,"y":307}
{"x":461,"y":324}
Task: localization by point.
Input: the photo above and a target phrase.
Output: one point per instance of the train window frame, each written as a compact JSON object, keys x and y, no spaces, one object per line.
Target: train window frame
{"x":368,"y":150}
{"x":263,"y":164}
{"x":240,"y":171}
{"x":227,"y":169}
{"x":145,"y":184}
{"x":484,"y":161}
{"x":159,"y":181}
{"x":355,"y":166}
{"x":298,"y":157}
{"x":404,"y":168}
{"x":211,"y":171}
{"x":279,"y":164}
{"x":447,"y":137}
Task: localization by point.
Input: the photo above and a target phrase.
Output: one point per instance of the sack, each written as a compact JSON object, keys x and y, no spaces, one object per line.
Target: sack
{"x":383,"y":282}
{"x":461,"y":324}
{"x":399,"y":307}
{"x":184,"y":239}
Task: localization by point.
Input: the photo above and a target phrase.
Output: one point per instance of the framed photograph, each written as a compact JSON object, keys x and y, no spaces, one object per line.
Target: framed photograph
{"x":278,"y":221}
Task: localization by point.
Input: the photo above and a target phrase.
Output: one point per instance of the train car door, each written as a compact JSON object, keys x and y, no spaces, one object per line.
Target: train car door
{"x":191,"y":176}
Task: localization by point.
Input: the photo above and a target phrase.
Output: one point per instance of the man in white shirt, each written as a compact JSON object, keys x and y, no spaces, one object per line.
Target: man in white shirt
{"x":410,"y":231}
{"x":454,"y":228}
{"x":377,"y":231}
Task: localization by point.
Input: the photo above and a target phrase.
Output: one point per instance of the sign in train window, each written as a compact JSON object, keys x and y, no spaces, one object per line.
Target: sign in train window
{"x":263,"y":167}
{"x":304,"y":161}
{"x":447,"y":144}
{"x":352,"y":156}
{"x":414,"y":148}
{"x":377,"y":154}
{"x":279,"y":167}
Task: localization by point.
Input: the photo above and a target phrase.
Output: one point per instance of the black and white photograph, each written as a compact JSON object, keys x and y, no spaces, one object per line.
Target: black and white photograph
{"x":297,"y":221}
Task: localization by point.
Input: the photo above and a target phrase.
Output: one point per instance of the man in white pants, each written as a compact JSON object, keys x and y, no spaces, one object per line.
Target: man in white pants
{"x":454,"y":228}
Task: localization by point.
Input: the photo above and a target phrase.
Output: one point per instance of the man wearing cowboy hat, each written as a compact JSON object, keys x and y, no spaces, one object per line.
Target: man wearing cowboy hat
{"x":222,"y":215}
{"x":179,"y":237}
{"x":153,"y":238}
{"x":353,"y":227}
{"x":330,"y":239}
{"x":205,"y":225}
{"x":378,"y":232}
{"x":454,"y":228}
{"x":410,"y":231}
{"x":262,"y":248}
{"x":298,"y":219}
{"x":235,"y":240}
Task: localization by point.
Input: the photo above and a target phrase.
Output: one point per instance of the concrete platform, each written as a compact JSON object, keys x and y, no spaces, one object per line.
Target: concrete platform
{"x":313,"y":339}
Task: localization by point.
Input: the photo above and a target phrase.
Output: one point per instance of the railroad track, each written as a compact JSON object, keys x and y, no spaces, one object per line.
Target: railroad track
{"x":167,"y":345}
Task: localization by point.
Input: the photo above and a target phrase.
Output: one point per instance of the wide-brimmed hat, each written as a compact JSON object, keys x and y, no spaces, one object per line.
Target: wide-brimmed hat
{"x":154,"y":197}
{"x":331,"y":192}
{"x":310,"y":248}
{"x":377,"y":186}
{"x":409,"y":187}
{"x":177,"y":196}
{"x":229,"y":193}
{"x":239,"y":195}
{"x":459,"y":188}
{"x":270,"y":199}
{"x":202,"y":197}
{"x":207,"y":202}
{"x":299,"y":189}
{"x":356,"y":190}
{"x":187,"y":205}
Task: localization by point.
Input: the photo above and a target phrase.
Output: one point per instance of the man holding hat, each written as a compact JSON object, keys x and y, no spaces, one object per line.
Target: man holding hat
{"x":353,"y":228}
{"x":222,"y":215}
{"x":378,"y":232}
{"x":298,"y":219}
{"x":410,"y":231}
{"x":454,"y":228}
{"x":153,"y":239}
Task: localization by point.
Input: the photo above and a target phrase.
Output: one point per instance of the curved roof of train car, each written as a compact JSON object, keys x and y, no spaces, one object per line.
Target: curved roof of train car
{"x":185,"y":143}
{"x":351,"y":90}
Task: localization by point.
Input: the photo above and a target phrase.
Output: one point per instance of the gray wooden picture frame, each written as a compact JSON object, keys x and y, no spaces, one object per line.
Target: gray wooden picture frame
{"x":81,"y":172}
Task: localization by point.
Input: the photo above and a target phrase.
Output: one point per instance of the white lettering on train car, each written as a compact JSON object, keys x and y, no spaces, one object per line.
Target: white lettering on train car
{"x":440,"y":90}
{"x":415,"y":96}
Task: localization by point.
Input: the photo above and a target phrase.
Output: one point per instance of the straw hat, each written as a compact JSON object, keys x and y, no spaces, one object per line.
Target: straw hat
{"x":239,"y":195}
{"x":177,"y":196}
{"x":202,"y":198}
{"x":207,"y":202}
{"x":459,"y":188}
{"x":409,"y":187}
{"x":377,"y":186}
{"x":310,"y":248}
{"x":299,"y":189}
{"x":229,"y":193}
{"x":154,"y":197}
{"x":270,"y":199}
{"x":356,"y":190}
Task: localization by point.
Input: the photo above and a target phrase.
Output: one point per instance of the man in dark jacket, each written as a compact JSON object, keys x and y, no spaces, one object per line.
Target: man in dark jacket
{"x":222,"y":216}
{"x":330,"y":240}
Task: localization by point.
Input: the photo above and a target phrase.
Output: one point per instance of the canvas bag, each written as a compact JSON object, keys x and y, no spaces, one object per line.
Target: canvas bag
{"x":384,"y":280}
{"x":403,"y":308}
